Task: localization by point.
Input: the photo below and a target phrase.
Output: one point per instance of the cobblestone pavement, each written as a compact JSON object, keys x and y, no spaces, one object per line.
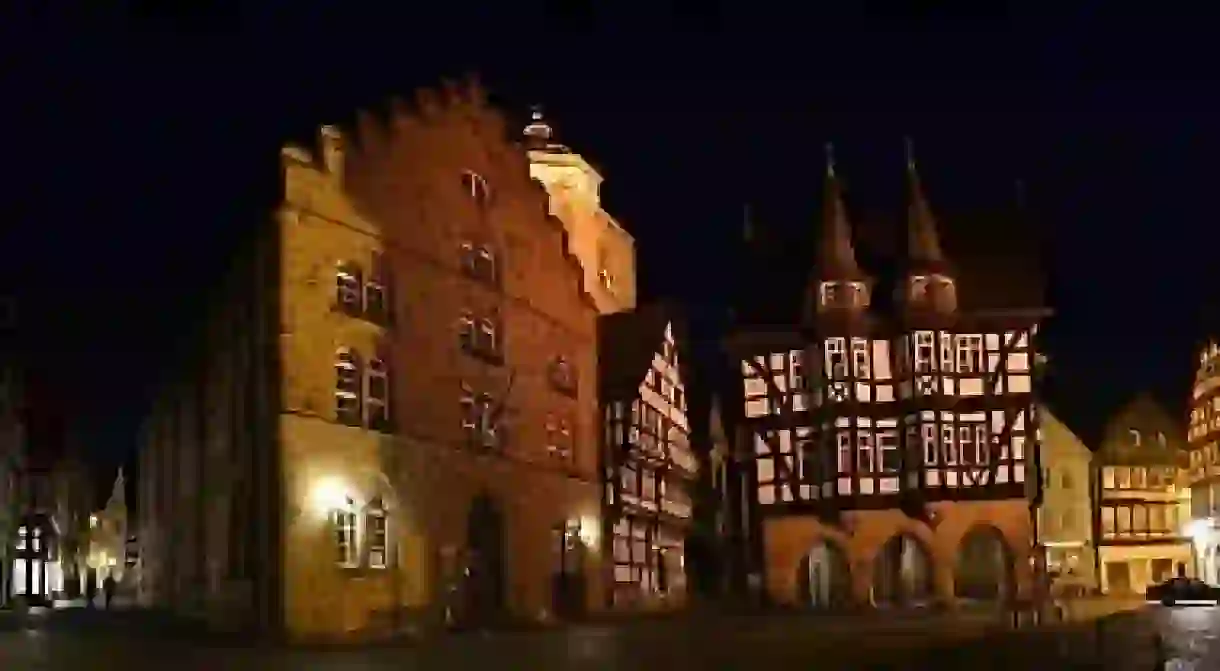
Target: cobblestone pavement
{"x":131,"y":641}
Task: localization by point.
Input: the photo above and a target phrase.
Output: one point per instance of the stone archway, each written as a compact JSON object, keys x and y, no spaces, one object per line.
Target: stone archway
{"x":824,"y":577}
{"x":984,"y":569}
{"x":484,"y":575}
{"x":902,"y":573}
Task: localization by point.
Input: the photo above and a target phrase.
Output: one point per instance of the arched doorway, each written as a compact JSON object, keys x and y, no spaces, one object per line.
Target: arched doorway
{"x":902,"y":573}
{"x":984,"y":567}
{"x":824,"y":578}
{"x":484,"y":576}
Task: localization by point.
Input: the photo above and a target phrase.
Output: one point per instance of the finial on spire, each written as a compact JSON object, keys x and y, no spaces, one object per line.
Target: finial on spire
{"x":830,"y":159}
{"x":538,"y":130}
{"x":910,"y":151}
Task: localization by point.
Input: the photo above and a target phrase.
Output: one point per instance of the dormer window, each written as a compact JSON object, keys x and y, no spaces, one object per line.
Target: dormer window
{"x":479,"y":262}
{"x":1134,"y":434}
{"x":842,"y":295}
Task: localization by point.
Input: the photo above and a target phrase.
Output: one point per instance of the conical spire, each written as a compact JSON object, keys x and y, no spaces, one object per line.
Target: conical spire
{"x":118,"y":495}
{"x":923,"y":242}
{"x":836,"y":254}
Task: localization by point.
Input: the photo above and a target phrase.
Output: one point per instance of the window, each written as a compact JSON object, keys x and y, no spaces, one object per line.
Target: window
{"x":378,"y":400}
{"x":563,"y":375}
{"x":929,"y":445}
{"x":479,"y":262}
{"x":476,"y":188}
{"x":970,"y":354}
{"x":923,"y":352}
{"x":865,"y":452}
{"x":844,"y":451}
{"x":558,"y":437}
{"x":836,"y":361}
{"x":965,"y":443}
{"x":344,"y":519}
{"x":478,"y":420}
{"x":348,"y":296}
{"x":830,"y":293}
{"x":375,"y":304}
{"x":348,"y":385}
{"x":1065,"y":480}
{"x":1138,"y":477}
{"x":946,"y":353}
{"x":860,"y":360}
{"x":22,"y":532}
{"x":1160,"y":438}
{"x":948,"y":435}
{"x":1122,"y":477}
{"x":1108,"y":478}
{"x":887,"y":446}
{"x":1135,"y":436}
{"x":375,"y":525}
{"x":480,"y":336}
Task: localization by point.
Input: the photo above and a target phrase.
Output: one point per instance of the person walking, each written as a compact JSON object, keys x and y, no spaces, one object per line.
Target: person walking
{"x":108,"y":586}
{"x":90,"y":590}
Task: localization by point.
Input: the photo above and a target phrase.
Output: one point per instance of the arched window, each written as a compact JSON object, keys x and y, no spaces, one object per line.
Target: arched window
{"x":344,"y":520}
{"x":348,"y":387}
{"x":349,"y":288}
{"x":378,"y":401}
{"x":377,"y":530}
{"x":479,"y":262}
{"x":489,"y":335}
{"x":475,"y":186}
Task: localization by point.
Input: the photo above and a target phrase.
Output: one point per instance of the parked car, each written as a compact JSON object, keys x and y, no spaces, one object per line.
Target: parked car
{"x":1184,"y":592}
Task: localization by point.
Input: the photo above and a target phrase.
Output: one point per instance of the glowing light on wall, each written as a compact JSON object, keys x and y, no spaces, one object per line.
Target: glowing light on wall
{"x":590,"y":530}
{"x":328,"y":494}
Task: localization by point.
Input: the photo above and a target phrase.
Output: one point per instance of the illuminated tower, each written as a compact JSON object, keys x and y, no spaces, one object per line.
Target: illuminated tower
{"x":605,"y":249}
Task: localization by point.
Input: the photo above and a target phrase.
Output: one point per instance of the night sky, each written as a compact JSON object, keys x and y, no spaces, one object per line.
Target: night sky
{"x":139,"y":146}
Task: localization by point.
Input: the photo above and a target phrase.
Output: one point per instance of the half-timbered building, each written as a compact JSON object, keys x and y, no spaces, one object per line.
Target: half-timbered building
{"x":649,"y":466}
{"x":1203,"y":474}
{"x":891,"y":423}
{"x":1142,"y":502}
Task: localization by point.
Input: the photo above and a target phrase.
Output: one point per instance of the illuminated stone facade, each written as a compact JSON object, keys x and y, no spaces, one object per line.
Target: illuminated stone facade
{"x":606,"y":251}
{"x":403,"y":424}
{"x":1143,"y":503}
{"x":892,"y":440}
{"x":1065,"y":518}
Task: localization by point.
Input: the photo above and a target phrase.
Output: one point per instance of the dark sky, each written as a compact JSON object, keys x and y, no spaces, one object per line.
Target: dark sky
{"x":138,"y":143}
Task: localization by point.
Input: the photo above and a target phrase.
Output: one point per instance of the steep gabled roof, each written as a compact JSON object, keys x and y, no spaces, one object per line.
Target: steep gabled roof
{"x":626,"y":344}
{"x":1145,"y":415}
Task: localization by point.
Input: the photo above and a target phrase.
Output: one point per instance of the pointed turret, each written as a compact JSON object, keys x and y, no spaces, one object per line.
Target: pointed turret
{"x":836,"y":253}
{"x":839,"y":283}
{"x":924,"y":252}
{"x":118,"y":494}
{"x":930,"y":284}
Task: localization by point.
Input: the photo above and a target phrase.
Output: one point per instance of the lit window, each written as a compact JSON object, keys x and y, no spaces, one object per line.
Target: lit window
{"x":923,"y":351}
{"x":836,"y":359}
{"x":1135,"y":436}
{"x":887,"y":445}
{"x":22,"y":532}
{"x":865,"y":452}
{"x":563,"y":375}
{"x":348,"y":387}
{"x":375,"y":524}
{"x":344,"y":520}
{"x":965,"y":444}
{"x":860,"y":359}
{"x":949,"y":438}
{"x":378,"y":395}
{"x":348,"y":288}
{"x":970,"y":354}
{"x":479,"y":262}
{"x":844,"y":452}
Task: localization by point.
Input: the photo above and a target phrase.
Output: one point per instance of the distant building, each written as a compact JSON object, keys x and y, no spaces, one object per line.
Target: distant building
{"x":1065,"y":518}
{"x":651,"y":470}
{"x":108,"y":537}
{"x":13,"y":445}
{"x":1203,"y":474}
{"x":391,"y":417}
{"x":1143,"y":504}
{"x":891,"y":421}
{"x":605,"y":249}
